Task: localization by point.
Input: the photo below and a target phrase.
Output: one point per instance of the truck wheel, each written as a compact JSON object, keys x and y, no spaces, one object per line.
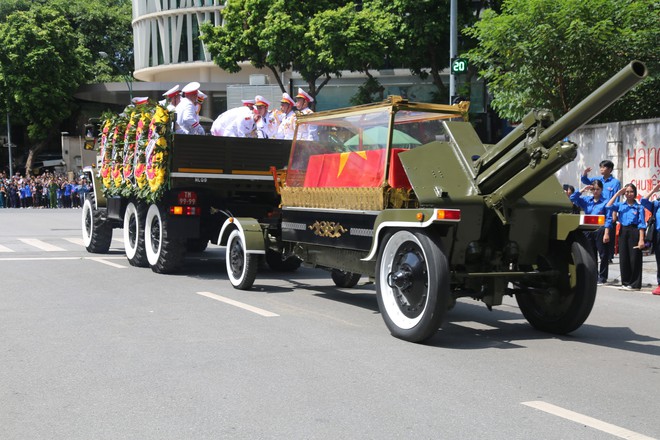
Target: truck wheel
{"x":563,"y":306}
{"x":96,"y":232}
{"x":345,"y":279}
{"x":134,"y":234}
{"x":241,"y":266}
{"x":412,"y":285}
{"x":165,"y":254}
{"x":276,"y":263}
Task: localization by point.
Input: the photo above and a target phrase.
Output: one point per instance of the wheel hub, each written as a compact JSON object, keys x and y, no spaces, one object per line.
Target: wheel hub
{"x":410,"y":279}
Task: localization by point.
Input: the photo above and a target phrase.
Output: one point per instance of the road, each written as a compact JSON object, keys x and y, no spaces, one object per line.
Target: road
{"x":95,"y":349}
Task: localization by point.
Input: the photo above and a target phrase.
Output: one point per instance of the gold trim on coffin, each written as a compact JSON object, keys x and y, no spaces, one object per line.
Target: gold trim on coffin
{"x":362,"y":199}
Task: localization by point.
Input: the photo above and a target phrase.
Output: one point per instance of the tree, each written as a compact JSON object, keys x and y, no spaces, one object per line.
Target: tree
{"x":42,"y":63}
{"x":271,"y":34}
{"x":422,"y":27}
{"x":552,"y":53}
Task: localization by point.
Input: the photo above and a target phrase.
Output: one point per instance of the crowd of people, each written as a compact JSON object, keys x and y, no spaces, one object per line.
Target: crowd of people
{"x":619,"y":205}
{"x":49,"y":190}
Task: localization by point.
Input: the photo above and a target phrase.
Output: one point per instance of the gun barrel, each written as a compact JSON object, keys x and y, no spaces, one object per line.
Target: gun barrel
{"x":595,"y":103}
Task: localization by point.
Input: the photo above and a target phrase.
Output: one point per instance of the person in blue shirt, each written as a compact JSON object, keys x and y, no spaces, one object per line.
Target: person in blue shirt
{"x":631,"y":236}
{"x":595,"y":205}
{"x":611,"y":186}
{"x":654,"y":208}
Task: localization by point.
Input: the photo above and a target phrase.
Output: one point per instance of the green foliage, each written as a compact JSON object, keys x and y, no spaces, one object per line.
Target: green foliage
{"x":553,"y":53}
{"x":42,"y":62}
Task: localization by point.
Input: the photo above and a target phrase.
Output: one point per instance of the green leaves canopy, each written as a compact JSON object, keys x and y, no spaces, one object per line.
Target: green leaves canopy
{"x":553,"y":53}
{"x":42,"y":62}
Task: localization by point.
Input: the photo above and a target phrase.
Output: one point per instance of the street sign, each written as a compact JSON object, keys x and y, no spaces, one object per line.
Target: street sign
{"x":459,"y":65}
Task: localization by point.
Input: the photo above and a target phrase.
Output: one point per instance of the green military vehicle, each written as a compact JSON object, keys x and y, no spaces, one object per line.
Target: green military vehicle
{"x":171,"y":193}
{"x":407,"y":194}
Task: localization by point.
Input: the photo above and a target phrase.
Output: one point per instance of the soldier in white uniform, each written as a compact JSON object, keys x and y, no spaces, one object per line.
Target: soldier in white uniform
{"x":201,"y":97}
{"x":303,"y":99}
{"x":265,"y":122}
{"x":187,"y":118}
{"x":286,"y":117}
{"x":224,"y":125}
{"x":174,"y":98}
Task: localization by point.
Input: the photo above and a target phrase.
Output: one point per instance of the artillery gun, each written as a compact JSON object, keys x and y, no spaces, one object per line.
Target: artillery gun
{"x":406,"y":193}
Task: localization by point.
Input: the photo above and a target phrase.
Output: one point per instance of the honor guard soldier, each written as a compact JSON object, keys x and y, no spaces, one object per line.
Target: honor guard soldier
{"x":187,"y":118}
{"x":286,"y":117}
{"x":226,"y":123}
{"x":303,"y":99}
{"x":201,"y":97}
{"x":265,"y":122}
{"x":173,"y":96}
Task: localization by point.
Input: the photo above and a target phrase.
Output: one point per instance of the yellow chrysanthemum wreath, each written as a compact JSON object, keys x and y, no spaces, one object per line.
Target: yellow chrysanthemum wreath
{"x":157,"y":154}
{"x":142,"y":138}
{"x":105,"y":151}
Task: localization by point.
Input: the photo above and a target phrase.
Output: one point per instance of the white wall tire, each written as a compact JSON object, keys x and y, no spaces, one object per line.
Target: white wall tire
{"x":241,"y":266}
{"x":96,"y":233}
{"x":134,"y":221}
{"x":164,"y":254}
{"x":412,"y":285}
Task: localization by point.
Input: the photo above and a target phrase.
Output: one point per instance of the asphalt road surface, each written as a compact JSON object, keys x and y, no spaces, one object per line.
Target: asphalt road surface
{"x":92,"y":348}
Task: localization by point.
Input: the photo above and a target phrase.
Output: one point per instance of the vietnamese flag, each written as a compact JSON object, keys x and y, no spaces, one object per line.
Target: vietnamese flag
{"x":346,"y":170}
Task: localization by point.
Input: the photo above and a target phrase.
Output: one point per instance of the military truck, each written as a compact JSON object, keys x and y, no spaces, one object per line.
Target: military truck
{"x":406,"y":194}
{"x":171,"y":193}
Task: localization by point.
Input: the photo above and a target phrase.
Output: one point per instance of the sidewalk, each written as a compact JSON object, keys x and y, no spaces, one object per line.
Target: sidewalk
{"x":649,"y":278}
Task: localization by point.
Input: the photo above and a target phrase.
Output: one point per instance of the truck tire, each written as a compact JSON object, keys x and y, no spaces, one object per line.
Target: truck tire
{"x":563,"y":306}
{"x":412,"y":284}
{"x":164,"y":254}
{"x":134,"y":219}
{"x":241,"y":266}
{"x":345,"y":279}
{"x":96,"y":232}
{"x":276,"y":263}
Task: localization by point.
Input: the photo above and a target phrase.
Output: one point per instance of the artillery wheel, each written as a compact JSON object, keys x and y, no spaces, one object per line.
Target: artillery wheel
{"x":134,"y":218}
{"x":165,"y":254}
{"x":276,"y":263}
{"x":241,"y":266}
{"x":412,"y":285}
{"x":96,"y":232}
{"x":563,"y":306}
{"x":345,"y":279}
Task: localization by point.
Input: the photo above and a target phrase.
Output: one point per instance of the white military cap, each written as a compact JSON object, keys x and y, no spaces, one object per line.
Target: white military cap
{"x":303,"y":94}
{"x":172,"y":92}
{"x":191,"y":87}
{"x":287,"y":98}
{"x":260,"y":100}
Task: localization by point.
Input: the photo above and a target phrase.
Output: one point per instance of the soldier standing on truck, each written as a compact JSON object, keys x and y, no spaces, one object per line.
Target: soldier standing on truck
{"x":303,"y":99}
{"x":187,"y":118}
{"x":264,"y":120}
{"x":224,"y":124}
{"x":287,"y":118}
{"x":174,"y":97}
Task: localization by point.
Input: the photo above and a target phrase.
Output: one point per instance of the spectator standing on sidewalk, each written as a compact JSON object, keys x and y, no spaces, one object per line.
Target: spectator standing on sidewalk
{"x":631,"y":236}
{"x":595,"y":205}
{"x":654,"y":207}
{"x":611,"y":186}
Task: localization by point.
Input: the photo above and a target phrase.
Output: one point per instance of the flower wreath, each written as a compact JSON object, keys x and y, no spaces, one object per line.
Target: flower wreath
{"x":141,"y":142}
{"x":105,"y":152}
{"x":157,"y":153}
{"x":115,"y":161}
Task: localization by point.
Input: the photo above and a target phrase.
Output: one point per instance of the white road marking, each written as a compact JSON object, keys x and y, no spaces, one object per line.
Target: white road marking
{"x":474,"y":325}
{"x":41,"y":245}
{"x":78,"y":241}
{"x":57,"y":258}
{"x":586,"y":420}
{"x":513,"y":321}
{"x":5,"y":249}
{"x":104,"y":261}
{"x":241,"y":305}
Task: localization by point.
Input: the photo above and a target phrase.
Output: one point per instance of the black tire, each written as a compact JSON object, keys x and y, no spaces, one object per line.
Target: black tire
{"x":96,"y":232}
{"x":345,"y":279}
{"x":196,"y":244}
{"x":563,"y":305}
{"x":412,"y":284}
{"x":241,"y":266}
{"x":276,"y":263}
{"x":165,"y":254}
{"x":134,"y":221}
